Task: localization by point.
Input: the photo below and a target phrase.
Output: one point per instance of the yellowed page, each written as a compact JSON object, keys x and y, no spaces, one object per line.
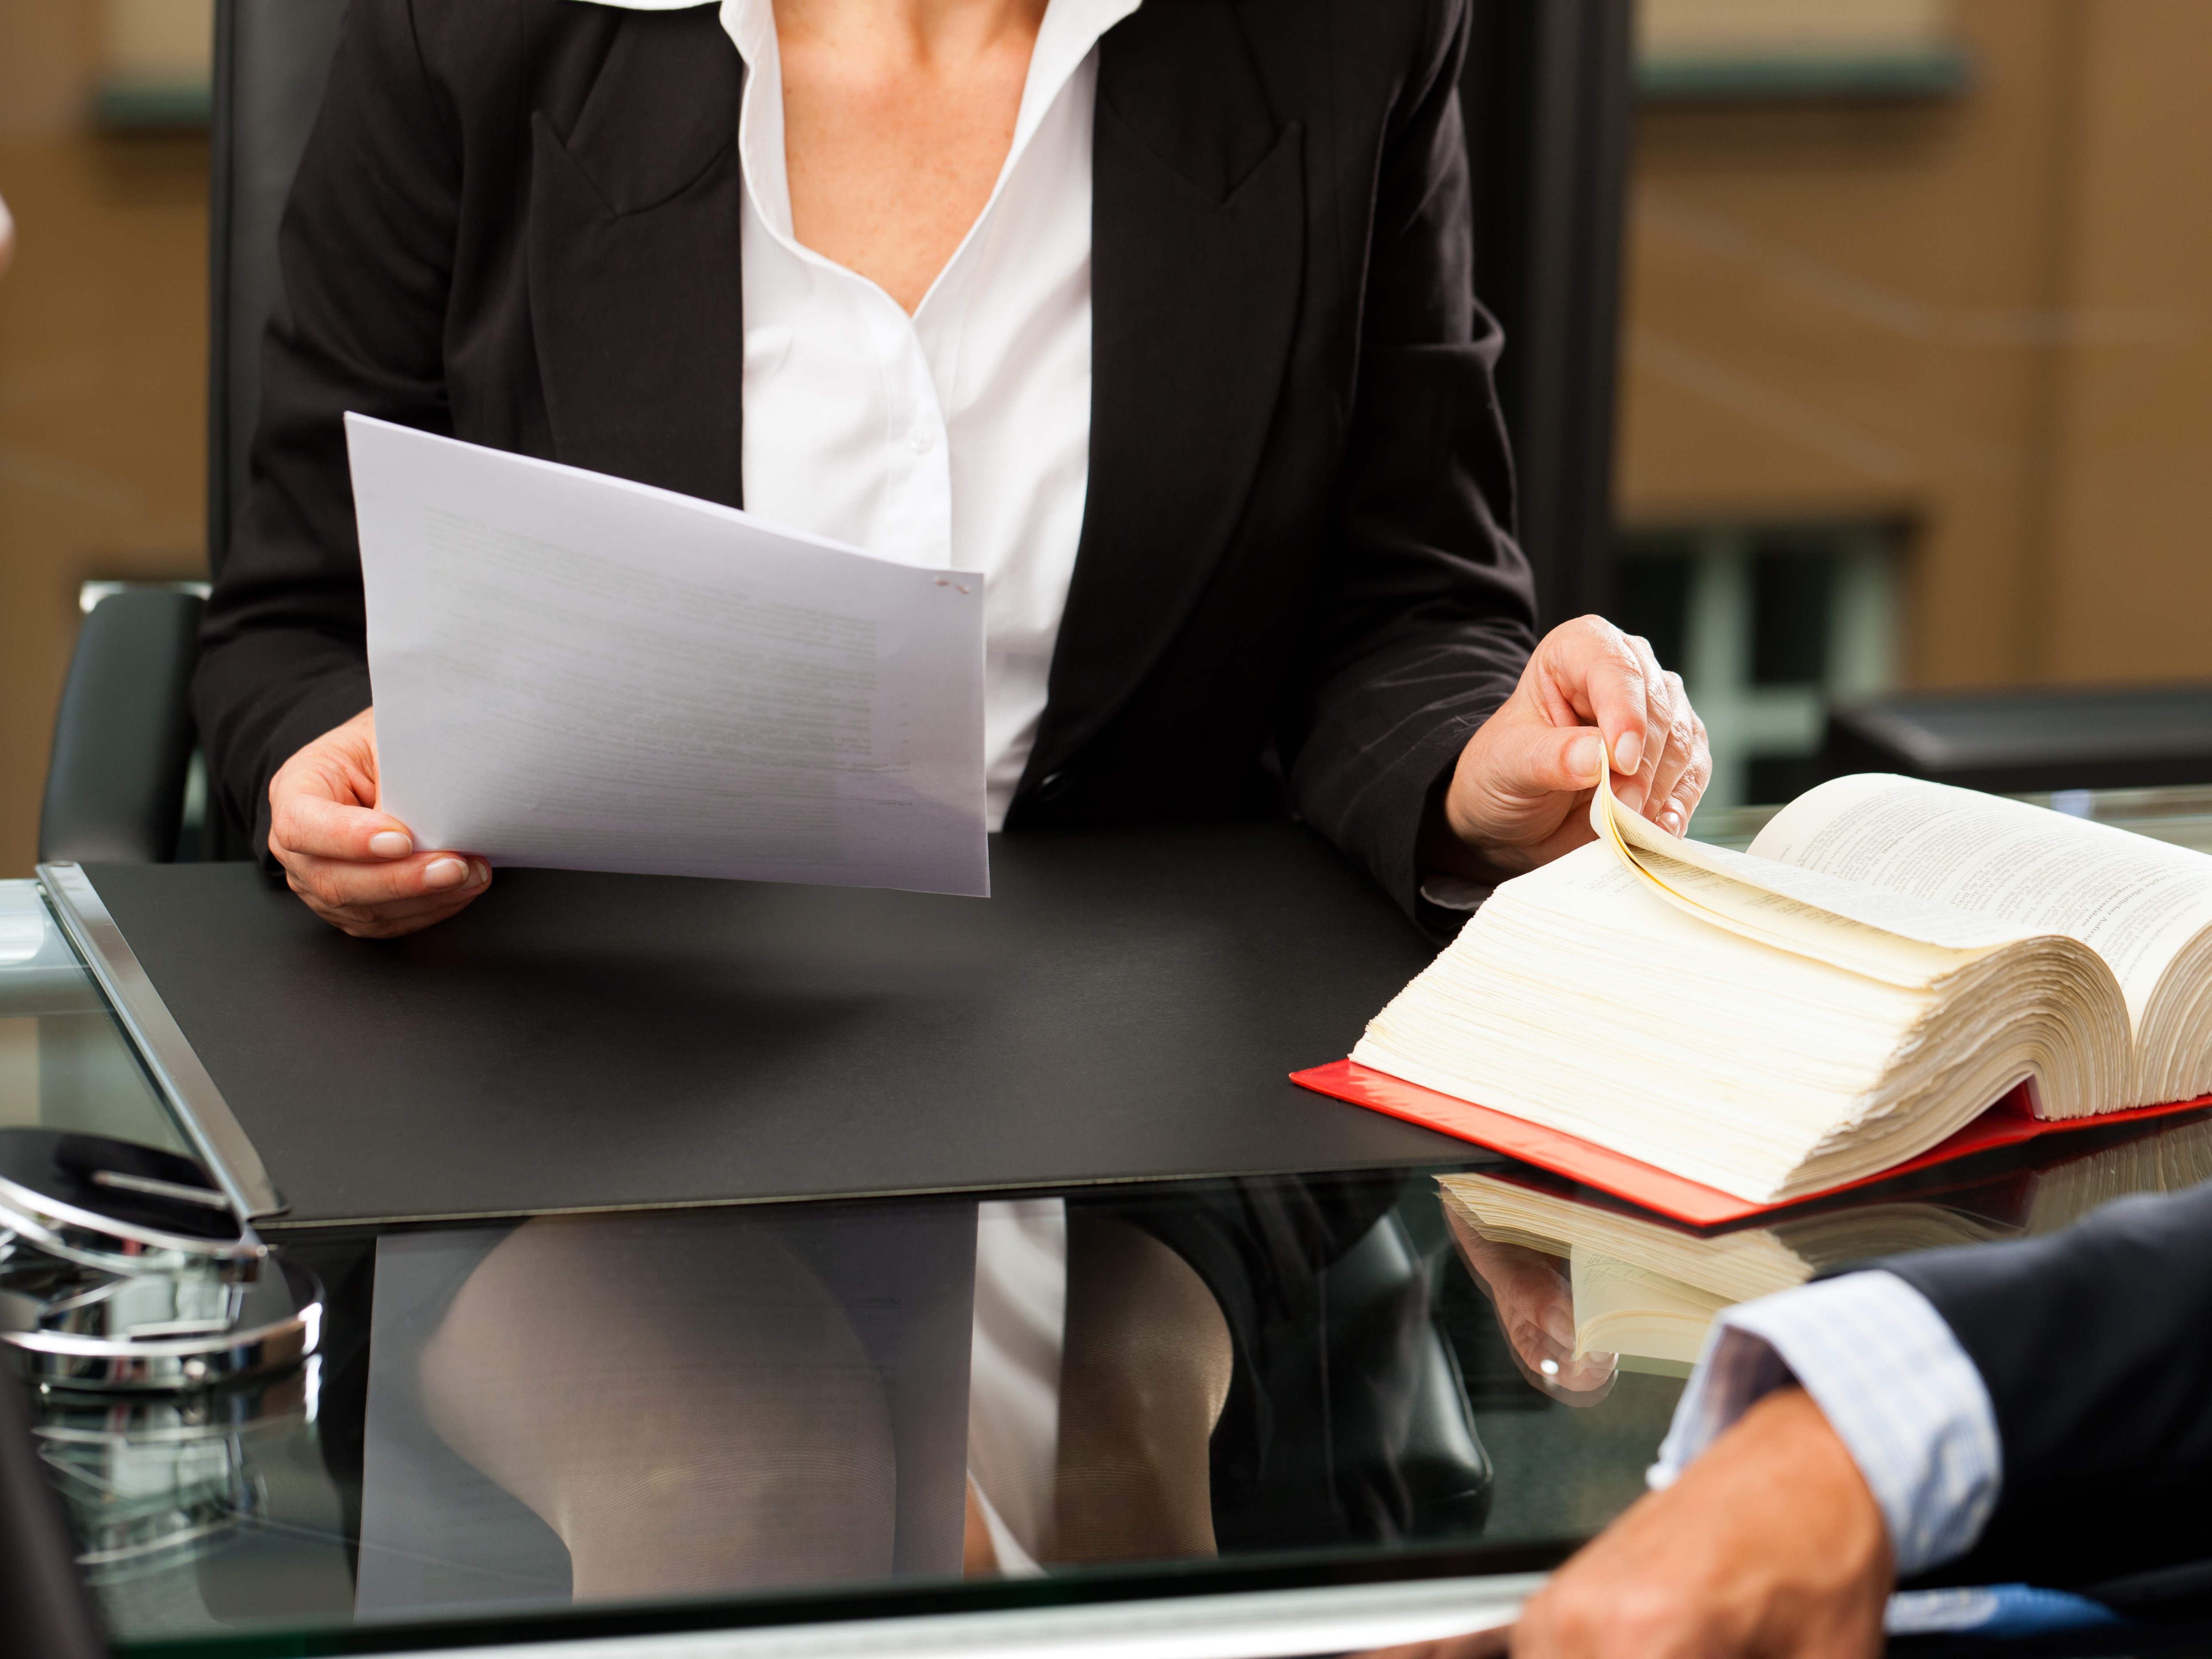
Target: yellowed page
{"x":1621,"y":1308}
{"x":2133,"y":901}
{"x":1900,"y":940}
{"x":1734,"y":1267}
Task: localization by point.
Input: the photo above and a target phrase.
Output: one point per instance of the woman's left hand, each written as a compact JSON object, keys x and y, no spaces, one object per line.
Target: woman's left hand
{"x":1520,"y":795}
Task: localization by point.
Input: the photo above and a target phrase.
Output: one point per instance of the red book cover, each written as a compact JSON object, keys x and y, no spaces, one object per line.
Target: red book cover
{"x":2005,"y":1124}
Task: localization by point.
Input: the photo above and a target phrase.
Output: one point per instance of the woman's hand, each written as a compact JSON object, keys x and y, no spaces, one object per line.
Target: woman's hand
{"x":356,"y":866}
{"x":1520,"y":795}
{"x":1535,"y":1308}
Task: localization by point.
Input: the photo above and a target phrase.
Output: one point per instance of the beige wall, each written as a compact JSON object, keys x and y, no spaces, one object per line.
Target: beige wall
{"x":2130,"y":556}
{"x":1745,"y":28}
{"x":1986,"y":316}
{"x":102,"y":373}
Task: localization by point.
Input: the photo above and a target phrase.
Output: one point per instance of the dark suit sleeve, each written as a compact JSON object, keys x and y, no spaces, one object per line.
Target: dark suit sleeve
{"x":366,"y":250}
{"x":1425,"y":614}
{"x":2096,"y":1346}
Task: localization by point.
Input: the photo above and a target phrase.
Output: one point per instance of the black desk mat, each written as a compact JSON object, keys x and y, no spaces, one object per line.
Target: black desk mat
{"x":1127,"y":1005}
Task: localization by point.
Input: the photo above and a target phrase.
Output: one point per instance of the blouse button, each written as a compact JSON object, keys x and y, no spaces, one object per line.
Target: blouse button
{"x":921,"y":438}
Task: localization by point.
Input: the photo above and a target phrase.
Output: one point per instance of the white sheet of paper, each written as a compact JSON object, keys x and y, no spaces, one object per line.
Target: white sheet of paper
{"x":576,"y":672}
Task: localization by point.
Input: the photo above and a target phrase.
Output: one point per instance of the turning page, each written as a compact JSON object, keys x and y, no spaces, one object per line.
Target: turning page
{"x":580,"y":673}
{"x":1901,"y":940}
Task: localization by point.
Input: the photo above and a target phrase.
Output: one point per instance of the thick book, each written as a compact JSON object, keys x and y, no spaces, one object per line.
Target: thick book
{"x":1898,"y":972}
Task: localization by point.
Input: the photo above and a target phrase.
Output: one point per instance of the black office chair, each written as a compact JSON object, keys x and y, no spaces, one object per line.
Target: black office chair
{"x":123,"y":739}
{"x":2033,"y":740}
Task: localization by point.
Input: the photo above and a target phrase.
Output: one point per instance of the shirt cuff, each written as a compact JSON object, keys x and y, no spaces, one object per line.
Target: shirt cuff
{"x":1892,"y":1382}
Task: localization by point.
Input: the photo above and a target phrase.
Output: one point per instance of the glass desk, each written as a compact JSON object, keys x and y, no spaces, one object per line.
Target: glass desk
{"x":1396,"y":1386}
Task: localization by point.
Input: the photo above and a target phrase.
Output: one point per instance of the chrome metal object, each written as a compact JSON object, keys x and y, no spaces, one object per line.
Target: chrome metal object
{"x":277,"y":1323}
{"x":169,"y":1060}
{"x":105,"y":1243}
{"x":122,"y":1266}
{"x":146,"y":1477}
{"x":39,"y":1293}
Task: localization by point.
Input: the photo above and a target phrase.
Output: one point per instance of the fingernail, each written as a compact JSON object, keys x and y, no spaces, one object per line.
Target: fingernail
{"x":444,"y":873}
{"x":1671,"y":822}
{"x":479,"y":872}
{"x":390,"y":844}
{"x":1588,"y":755}
{"x":1631,"y":795}
{"x":1559,"y":1325}
{"x":1628,"y":752}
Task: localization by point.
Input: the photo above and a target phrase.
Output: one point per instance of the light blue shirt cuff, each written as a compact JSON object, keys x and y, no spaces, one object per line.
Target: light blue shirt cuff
{"x":1892,"y":1382}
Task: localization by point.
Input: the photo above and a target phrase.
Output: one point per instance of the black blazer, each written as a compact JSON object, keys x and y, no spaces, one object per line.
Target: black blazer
{"x":516,"y":222}
{"x":2096,"y":1346}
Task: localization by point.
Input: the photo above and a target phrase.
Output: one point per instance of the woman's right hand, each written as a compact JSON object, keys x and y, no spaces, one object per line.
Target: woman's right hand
{"x":355,"y":865}
{"x":1535,"y":1306}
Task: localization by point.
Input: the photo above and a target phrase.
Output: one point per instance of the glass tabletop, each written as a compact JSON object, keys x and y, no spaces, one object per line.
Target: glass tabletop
{"x":65,"y":1061}
{"x":751,"y":1414}
{"x":1465,"y":1369}
{"x":943,"y":1393}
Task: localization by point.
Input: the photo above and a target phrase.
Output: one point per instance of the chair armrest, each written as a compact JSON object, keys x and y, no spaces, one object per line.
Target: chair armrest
{"x":123,"y":739}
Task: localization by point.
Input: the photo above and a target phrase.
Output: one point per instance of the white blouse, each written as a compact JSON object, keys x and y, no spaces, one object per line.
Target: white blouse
{"x":958,"y":438}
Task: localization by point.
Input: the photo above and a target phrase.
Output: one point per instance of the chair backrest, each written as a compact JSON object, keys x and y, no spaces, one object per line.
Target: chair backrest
{"x":122,"y":736}
{"x":1549,"y":97}
{"x":270,"y":60}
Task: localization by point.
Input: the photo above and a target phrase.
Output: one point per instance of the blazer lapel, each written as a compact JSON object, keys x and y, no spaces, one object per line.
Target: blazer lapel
{"x":636,"y":297}
{"x":1197,"y":262}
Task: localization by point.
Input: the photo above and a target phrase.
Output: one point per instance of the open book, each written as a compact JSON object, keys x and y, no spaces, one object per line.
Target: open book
{"x":1890,"y":958}
{"x":1649,"y":1292}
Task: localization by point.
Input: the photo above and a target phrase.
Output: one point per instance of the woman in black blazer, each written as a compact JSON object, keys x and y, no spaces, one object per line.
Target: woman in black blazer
{"x":517,"y":222}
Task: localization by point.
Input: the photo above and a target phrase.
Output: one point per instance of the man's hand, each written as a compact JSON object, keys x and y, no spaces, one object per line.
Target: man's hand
{"x":1520,"y":795}
{"x":356,"y":866}
{"x":1770,"y":1546}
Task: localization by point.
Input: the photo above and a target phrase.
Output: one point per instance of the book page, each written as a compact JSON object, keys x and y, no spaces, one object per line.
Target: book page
{"x":2133,"y":901}
{"x":1898,"y":939}
{"x":582,"y":672}
{"x":1623,"y":1308}
{"x":1735,"y":1266}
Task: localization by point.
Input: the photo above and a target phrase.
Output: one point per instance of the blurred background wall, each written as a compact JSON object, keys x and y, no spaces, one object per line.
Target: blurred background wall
{"x":1918,"y":380}
{"x":1917,"y":385}
{"x":103,"y":337}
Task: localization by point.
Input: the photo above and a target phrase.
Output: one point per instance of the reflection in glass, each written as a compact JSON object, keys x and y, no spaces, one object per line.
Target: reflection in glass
{"x":1532,"y":1286}
{"x":732,"y":1433}
{"x":613,"y":1407}
{"x":1345,"y":1422}
{"x":64,"y":1063}
{"x":667,"y":1404}
{"x":1146,"y":1369}
{"x":728,"y":1402}
{"x":149,"y":1479}
{"x":1578,"y":1280}
{"x":919,"y":1393}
